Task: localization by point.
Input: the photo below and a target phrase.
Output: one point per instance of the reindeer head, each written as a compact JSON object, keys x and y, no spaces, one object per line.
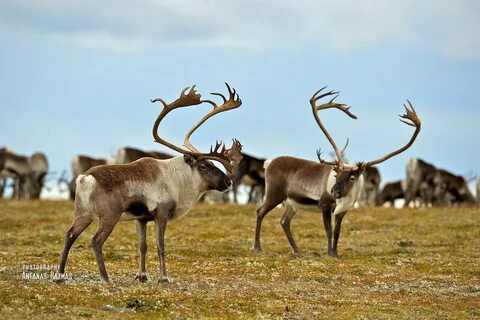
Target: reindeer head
{"x":213,"y":178}
{"x":346,"y":175}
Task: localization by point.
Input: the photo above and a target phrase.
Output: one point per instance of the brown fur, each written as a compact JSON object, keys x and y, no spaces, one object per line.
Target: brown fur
{"x":111,"y":177}
{"x":283,"y":169}
{"x":305,"y":183}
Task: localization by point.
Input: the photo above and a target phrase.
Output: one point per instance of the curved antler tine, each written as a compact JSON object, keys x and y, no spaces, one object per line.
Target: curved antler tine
{"x":407,"y":123}
{"x":411,"y":106}
{"x":158,"y":100}
{"x":182,"y":94}
{"x":345,"y":148}
{"x":412,"y":116}
{"x":319,"y":156}
{"x":334,"y":98}
{"x":218,"y":94}
{"x":315,"y":94}
{"x":228,"y":87}
{"x":192,"y":89}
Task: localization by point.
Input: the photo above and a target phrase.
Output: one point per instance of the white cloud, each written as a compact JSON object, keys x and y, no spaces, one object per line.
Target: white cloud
{"x":344,"y":25}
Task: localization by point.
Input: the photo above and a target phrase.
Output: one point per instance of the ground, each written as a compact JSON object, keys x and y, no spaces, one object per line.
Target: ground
{"x":394,"y":263}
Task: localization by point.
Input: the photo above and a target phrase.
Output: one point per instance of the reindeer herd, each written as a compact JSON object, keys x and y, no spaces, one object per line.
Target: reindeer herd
{"x":157,"y":186}
{"x":424,"y":185}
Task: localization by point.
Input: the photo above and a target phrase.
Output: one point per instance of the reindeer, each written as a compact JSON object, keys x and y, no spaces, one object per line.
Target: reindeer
{"x":250,"y":172}
{"x":331,"y":187}
{"x":391,"y":192}
{"x":151,"y":189}
{"x":129,"y":154}
{"x":28,"y":173}
{"x":419,"y":182}
{"x":371,"y":186}
{"x":478,"y":190}
{"x":80,"y":164}
{"x":450,"y":189}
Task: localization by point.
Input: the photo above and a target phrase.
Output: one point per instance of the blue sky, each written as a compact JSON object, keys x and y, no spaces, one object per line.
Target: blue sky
{"x":76,"y":77}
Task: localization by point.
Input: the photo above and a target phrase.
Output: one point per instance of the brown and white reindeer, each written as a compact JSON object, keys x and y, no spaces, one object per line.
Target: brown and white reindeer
{"x":150,"y":189}
{"x":331,"y":187}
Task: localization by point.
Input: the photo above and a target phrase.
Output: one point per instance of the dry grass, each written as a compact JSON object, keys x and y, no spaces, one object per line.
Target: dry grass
{"x":394,"y":264}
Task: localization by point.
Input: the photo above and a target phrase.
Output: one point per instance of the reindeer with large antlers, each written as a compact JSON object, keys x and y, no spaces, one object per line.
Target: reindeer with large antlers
{"x":331,"y":187}
{"x":152,"y":190}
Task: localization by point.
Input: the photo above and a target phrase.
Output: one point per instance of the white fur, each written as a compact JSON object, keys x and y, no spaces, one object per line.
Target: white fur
{"x":266,"y":163}
{"x":347,"y":202}
{"x":178,"y":183}
{"x":85,"y":186}
{"x":412,"y":168}
{"x":343,"y":204}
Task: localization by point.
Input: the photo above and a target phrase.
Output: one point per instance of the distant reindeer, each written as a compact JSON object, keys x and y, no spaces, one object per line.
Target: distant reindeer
{"x":391,"y":192}
{"x":128,"y":154}
{"x":150,"y":189}
{"x":419,"y":182}
{"x":250,"y":172}
{"x":28,"y":173}
{"x":451,"y":189}
{"x":80,"y":164}
{"x":331,"y":187}
{"x":478,"y":190}
{"x":371,"y":187}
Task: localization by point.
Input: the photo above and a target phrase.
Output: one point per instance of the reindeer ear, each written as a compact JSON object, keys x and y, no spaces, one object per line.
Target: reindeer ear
{"x":191,"y":161}
{"x":361,"y":167}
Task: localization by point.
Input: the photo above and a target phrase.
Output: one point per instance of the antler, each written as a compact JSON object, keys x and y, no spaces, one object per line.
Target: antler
{"x":331,"y":104}
{"x":411,"y":119}
{"x":225,"y":156}
{"x":189,"y":99}
{"x":233,"y":102}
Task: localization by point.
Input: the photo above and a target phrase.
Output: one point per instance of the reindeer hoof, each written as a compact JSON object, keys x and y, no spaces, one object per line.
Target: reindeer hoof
{"x":164,"y":279}
{"x":256,"y":250}
{"x":141,"y":277}
{"x":59,"y":281}
{"x":333,"y":255}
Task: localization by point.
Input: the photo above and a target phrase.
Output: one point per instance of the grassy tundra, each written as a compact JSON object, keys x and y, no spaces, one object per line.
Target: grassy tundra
{"x":393,"y":264}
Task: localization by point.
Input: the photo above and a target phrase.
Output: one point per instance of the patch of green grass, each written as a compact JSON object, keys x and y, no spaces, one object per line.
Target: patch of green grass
{"x":394,"y":264}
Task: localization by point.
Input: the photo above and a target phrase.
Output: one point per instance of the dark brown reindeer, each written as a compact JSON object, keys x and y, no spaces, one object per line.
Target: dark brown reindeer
{"x":371,"y":187}
{"x":150,"y":189}
{"x":391,"y":192}
{"x":80,"y":164}
{"x":128,"y":154}
{"x":451,"y":189}
{"x":419,"y":182}
{"x":28,"y":173}
{"x":331,"y":187}
{"x":250,"y":171}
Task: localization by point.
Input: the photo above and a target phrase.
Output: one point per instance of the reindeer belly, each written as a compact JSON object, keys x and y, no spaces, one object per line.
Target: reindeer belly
{"x":137,"y":210}
{"x":248,"y":181}
{"x":302,"y":203}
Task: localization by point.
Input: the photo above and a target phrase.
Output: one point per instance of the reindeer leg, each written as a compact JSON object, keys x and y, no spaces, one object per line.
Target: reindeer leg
{"x":261,"y":213}
{"x":142,"y":248}
{"x":104,"y":230}
{"x":160,"y":226}
{"x":79,"y":225}
{"x":250,"y":194}
{"x":336,"y":232}
{"x":285,"y":223}
{"x":327,"y":223}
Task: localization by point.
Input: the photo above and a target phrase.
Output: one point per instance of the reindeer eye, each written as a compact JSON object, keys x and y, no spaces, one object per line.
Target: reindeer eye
{"x":203,"y":166}
{"x":352,"y":178}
